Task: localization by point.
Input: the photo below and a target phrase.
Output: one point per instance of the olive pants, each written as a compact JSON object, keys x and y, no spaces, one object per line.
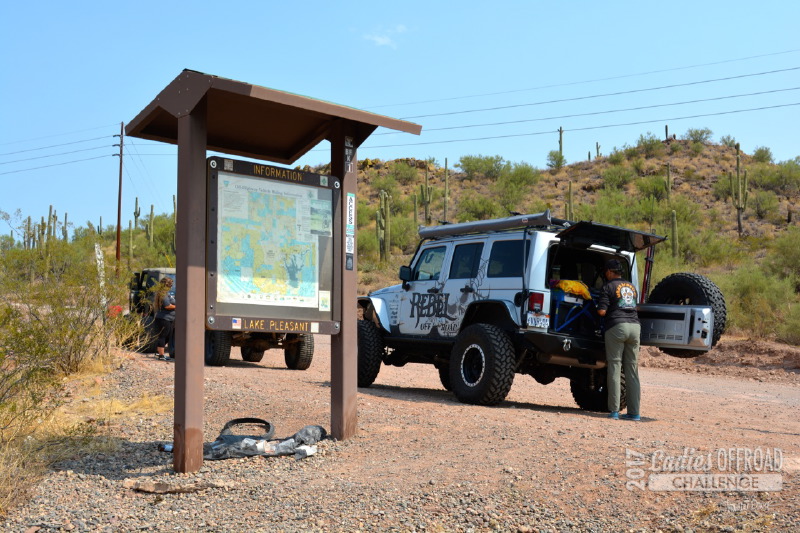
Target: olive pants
{"x":622,"y":353}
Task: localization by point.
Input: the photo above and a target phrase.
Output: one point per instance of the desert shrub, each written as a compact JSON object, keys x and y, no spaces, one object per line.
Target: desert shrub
{"x":612,"y":206}
{"x":476,"y":166}
{"x":696,"y":148}
{"x":652,"y":187}
{"x":762,"y":154}
{"x":630,"y":152}
{"x":698,"y":135}
{"x":387,"y":183}
{"x":474,"y":206}
{"x":616,"y":157}
{"x":765,"y":204}
{"x":783,"y":257}
{"x":675,"y":148}
{"x":638,"y":166}
{"x":404,"y":234}
{"x":721,"y":189}
{"x":514,"y":184}
{"x":556,"y":160}
{"x":789,"y":328}
{"x":365,"y":214}
{"x":650,"y":145}
{"x":706,"y":248}
{"x":617,"y":177}
{"x":756,"y":300}
{"x":728,"y":140}
{"x":788,"y":177}
{"x":404,"y":173}
{"x":367,"y":245}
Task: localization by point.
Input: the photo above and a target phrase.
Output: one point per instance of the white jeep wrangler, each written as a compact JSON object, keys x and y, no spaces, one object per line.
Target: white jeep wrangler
{"x":483,"y":301}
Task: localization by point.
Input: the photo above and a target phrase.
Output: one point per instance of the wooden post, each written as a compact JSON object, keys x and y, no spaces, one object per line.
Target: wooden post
{"x":344,"y":361}
{"x":190,"y":291}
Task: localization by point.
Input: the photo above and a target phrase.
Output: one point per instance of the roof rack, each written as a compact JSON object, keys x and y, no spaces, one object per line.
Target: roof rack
{"x":483,"y":226}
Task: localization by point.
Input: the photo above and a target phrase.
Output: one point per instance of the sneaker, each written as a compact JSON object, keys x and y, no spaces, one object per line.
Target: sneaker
{"x":628,"y":416}
{"x":613,"y":415}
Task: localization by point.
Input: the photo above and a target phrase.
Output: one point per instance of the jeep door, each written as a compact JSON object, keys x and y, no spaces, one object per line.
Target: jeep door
{"x":423,"y":305}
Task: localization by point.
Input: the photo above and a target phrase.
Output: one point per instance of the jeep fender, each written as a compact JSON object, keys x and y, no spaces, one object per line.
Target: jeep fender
{"x":497,"y":312}
{"x":375,"y":310}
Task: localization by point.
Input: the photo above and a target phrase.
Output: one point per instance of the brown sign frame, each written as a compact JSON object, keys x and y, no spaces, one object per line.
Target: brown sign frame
{"x":261,"y":316}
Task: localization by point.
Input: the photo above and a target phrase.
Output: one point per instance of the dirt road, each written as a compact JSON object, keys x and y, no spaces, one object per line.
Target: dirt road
{"x":424,"y":462}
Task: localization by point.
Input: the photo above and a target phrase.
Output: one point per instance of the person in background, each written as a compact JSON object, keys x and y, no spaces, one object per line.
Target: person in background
{"x":617,"y":303}
{"x":164,"y":304}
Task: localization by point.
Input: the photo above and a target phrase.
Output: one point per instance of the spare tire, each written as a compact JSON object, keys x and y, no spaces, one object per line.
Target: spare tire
{"x":686,"y":288}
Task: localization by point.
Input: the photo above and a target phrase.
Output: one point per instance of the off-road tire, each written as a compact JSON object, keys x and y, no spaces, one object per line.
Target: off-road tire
{"x":370,"y":352}
{"x":251,"y":355}
{"x":218,"y":347}
{"x":299,"y":354}
{"x":482,"y":365}
{"x":592,"y":395}
{"x":444,"y":377}
{"x":686,"y":288}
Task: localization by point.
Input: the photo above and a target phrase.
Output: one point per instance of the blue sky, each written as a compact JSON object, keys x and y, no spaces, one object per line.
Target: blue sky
{"x":71,"y":72}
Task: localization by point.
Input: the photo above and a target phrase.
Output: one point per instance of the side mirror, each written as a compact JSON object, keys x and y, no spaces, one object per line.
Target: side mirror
{"x":405,"y":273}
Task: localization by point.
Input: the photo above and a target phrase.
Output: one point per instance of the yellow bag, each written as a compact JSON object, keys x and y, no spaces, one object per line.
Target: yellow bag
{"x":578,"y":288}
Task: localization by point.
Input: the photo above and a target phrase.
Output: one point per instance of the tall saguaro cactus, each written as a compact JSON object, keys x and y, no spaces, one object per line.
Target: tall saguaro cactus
{"x":64,"y":230}
{"x":383,"y":225}
{"x":570,"y":207}
{"x":674,"y":234}
{"x":425,"y":198}
{"x":136,"y":212}
{"x":739,"y":192}
{"x":150,"y":228}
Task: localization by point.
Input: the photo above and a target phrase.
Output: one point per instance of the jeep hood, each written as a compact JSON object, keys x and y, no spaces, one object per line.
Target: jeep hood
{"x":585,"y":234}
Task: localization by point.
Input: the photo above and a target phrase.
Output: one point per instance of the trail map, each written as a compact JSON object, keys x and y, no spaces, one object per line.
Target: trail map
{"x":268,"y":241}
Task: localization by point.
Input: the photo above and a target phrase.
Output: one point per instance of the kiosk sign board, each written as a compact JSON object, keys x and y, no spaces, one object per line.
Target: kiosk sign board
{"x":270,"y":246}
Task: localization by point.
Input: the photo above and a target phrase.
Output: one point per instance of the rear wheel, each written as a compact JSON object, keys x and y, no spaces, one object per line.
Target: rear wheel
{"x":218,"y":347}
{"x":482,"y":365}
{"x":590,"y":391}
{"x":444,"y":377}
{"x":370,"y":352}
{"x":252,"y":355}
{"x":298,"y":354}
{"x":685,"y":288}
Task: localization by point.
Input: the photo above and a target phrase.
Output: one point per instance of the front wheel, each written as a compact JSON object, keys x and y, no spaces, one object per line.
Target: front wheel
{"x":218,"y":347}
{"x":482,"y":365}
{"x":298,"y":354}
{"x":370,"y":352}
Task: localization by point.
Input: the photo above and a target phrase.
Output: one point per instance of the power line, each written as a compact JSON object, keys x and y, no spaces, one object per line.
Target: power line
{"x":52,"y":155}
{"x":632,"y":91}
{"x":593,"y":113}
{"x":58,"y":135}
{"x":569,"y":84}
{"x":582,"y":129}
{"x":56,"y":164}
{"x":55,"y":145}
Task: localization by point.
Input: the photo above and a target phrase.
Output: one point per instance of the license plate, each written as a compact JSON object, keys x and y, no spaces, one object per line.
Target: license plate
{"x":538,"y":321}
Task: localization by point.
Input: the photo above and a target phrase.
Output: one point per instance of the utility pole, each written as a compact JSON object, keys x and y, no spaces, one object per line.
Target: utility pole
{"x":119,"y":196}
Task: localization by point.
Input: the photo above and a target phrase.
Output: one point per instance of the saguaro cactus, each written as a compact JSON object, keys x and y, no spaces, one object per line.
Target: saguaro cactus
{"x":570,"y":215}
{"x":136,"y":212}
{"x":425,"y":198}
{"x":150,"y":229}
{"x":64,"y":230}
{"x":383,"y":225}
{"x":560,"y":141}
{"x":739,"y":192}
{"x":674,"y":234}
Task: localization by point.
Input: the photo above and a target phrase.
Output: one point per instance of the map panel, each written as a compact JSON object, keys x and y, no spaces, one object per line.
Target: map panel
{"x":268,"y":236}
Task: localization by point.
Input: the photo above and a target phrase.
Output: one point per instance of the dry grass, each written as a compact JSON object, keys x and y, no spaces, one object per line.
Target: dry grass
{"x":80,"y":426}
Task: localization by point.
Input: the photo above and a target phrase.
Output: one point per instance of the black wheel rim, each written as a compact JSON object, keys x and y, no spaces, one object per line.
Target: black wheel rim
{"x":473,"y":365}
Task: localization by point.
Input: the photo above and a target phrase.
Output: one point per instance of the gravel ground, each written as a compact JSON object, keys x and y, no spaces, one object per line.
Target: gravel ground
{"x":424,"y":462}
